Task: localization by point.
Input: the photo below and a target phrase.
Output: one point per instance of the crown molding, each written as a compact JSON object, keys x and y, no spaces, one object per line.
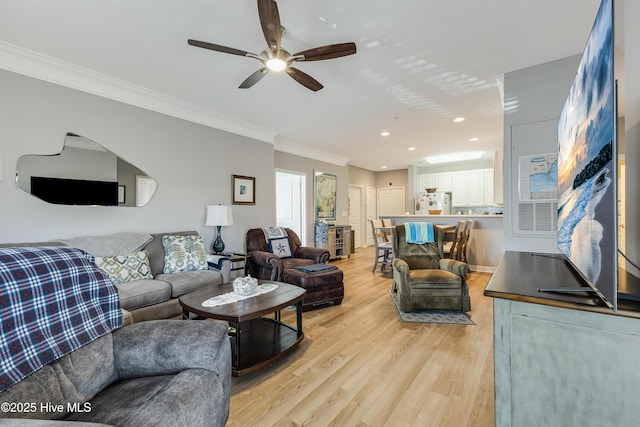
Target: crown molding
{"x":29,"y":63}
{"x":310,"y":153}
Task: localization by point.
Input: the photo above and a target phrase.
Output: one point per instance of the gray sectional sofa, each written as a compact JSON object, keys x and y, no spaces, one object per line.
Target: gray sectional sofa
{"x":158,"y":373}
{"x":149,"y":299}
{"x":157,"y":298}
{"x":73,"y":363}
{"x":146,"y":299}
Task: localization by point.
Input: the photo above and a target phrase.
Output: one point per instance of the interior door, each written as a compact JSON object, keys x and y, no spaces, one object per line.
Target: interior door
{"x":391,"y":201}
{"x":355,"y":213}
{"x":289,"y":202}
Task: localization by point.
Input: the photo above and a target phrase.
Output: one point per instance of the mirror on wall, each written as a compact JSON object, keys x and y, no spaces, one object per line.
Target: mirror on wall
{"x":84,"y":173}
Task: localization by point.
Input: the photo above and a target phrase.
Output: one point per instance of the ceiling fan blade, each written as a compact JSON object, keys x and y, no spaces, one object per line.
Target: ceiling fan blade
{"x":328,"y":52}
{"x":219,"y":48}
{"x":254,"y":78}
{"x":270,"y":22}
{"x":304,"y":79}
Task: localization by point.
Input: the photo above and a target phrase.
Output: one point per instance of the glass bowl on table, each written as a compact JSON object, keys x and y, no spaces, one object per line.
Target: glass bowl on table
{"x":245,"y":286}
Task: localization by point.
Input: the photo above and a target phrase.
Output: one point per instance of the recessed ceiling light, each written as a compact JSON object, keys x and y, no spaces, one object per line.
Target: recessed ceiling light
{"x":385,"y":133}
{"x":454,"y":157}
{"x":458,"y":119}
{"x":322,"y":18}
{"x":383,"y":167}
{"x":474,"y":139}
{"x":412,"y":148}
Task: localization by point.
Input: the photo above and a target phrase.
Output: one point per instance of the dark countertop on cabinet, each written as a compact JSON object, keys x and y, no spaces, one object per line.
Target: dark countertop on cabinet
{"x":519,"y":275}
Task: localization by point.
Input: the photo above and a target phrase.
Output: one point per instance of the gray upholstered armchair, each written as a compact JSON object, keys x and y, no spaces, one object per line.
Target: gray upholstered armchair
{"x":424,"y":279}
{"x":263,"y":264}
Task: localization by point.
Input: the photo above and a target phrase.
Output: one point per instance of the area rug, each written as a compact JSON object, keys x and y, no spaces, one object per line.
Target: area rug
{"x":450,"y":317}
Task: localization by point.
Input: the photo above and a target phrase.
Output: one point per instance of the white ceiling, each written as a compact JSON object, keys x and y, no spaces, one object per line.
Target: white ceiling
{"x":419,"y":64}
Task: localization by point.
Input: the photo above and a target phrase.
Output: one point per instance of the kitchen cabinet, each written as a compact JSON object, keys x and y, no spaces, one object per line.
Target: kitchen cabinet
{"x":475,"y":188}
{"x":472,"y":188}
{"x":442,"y":181}
{"x":459,"y":189}
{"x":489,"y":198}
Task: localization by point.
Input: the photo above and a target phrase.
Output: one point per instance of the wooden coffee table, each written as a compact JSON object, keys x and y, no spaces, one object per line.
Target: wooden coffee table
{"x":256,"y":341}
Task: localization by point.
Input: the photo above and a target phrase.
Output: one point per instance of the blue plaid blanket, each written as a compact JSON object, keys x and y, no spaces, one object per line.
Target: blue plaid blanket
{"x":53,"y":300}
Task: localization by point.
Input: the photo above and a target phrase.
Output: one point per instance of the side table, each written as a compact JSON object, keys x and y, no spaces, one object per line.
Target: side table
{"x":230,"y":265}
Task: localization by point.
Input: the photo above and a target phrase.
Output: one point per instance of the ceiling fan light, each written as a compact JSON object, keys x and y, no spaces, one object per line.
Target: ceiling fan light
{"x":276,"y":64}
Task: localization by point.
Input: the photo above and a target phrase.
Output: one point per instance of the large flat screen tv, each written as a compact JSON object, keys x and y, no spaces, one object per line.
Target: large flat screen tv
{"x":587,"y":164}
{"x":64,"y":191}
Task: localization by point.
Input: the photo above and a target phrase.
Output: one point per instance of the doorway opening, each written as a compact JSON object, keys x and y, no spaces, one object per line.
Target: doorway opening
{"x":290,"y":202}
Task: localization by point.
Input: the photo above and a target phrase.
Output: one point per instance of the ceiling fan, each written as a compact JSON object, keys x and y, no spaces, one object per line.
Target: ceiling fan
{"x":274,"y":57}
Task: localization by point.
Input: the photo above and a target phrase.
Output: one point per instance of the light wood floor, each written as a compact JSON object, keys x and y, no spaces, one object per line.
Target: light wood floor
{"x":360,"y":366}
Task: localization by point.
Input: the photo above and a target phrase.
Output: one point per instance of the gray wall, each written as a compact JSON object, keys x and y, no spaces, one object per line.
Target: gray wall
{"x":295,"y":163}
{"x":192,"y":163}
{"x":534,"y":98}
{"x":363,"y":177}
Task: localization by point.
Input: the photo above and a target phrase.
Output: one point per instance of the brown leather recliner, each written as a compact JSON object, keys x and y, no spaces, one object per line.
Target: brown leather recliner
{"x":265,"y":265}
{"x":322,"y":288}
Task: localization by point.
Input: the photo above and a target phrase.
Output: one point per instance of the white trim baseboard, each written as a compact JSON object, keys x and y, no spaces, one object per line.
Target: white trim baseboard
{"x":482,"y":268}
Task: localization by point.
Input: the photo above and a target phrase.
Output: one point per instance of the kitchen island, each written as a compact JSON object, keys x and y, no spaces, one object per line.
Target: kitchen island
{"x":484,"y":249}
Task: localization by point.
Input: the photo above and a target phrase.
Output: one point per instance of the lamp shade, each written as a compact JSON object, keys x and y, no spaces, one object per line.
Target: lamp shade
{"x":219,"y":215}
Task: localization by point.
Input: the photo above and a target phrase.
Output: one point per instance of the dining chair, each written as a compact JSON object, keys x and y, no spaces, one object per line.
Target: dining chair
{"x":461,"y":251}
{"x":452,"y":240}
{"x":383,"y":247}
{"x":387,"y":224}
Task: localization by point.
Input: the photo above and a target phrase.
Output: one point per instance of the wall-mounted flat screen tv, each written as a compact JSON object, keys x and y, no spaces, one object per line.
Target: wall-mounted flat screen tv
{"x":587,"y":164}
{"x":64,"y":191}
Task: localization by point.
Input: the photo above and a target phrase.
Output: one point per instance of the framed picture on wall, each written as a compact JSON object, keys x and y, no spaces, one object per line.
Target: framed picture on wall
{"x":244,"y":190}
{"x":325,"y":185}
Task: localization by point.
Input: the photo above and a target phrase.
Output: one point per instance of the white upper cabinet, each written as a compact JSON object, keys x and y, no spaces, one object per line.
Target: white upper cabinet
{"x":475,"y":188}
{"x":459,"y":189}
{"x":426,"y":180}
{"x":489,"y":198}
{"x":442,"y":181}
{"x":472,"y":188}
{"x":468,"y":188}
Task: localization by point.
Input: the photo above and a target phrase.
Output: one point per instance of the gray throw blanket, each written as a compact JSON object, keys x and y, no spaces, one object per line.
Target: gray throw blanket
{"x":110,"y":244}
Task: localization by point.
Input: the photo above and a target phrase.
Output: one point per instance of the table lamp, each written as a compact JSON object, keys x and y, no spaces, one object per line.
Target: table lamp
{"x":217,"y":216}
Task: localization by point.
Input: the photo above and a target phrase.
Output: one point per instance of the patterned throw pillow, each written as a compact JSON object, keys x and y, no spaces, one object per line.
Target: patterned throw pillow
{"x":184,"y":253}
{"x":280,"y":247}
{"x":125,"y":268}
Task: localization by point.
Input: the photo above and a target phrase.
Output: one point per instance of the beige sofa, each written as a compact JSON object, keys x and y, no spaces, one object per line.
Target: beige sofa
{"x":146,"y":299}
{"x":157,"y":298}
